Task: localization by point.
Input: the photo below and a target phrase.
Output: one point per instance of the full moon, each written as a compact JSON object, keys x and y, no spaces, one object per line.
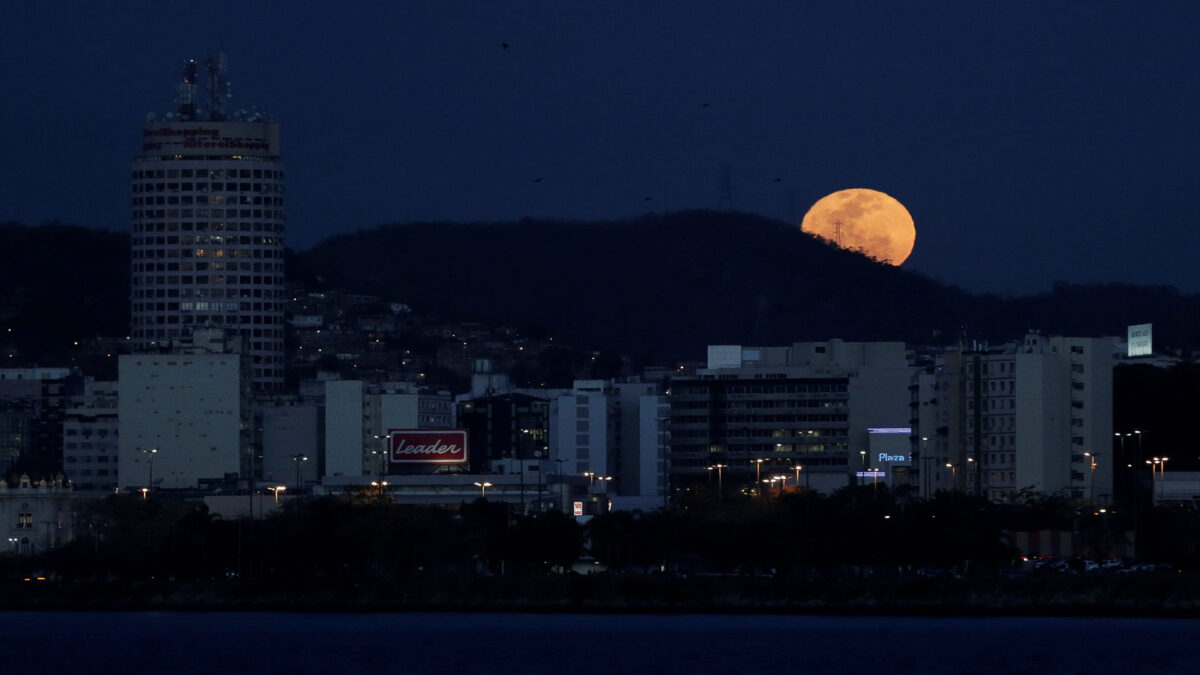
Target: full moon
{"x":867,"y":221}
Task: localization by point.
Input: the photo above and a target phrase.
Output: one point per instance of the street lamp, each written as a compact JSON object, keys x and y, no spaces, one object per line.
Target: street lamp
{"x":1162,"y":479}
{"x":925,"y":479}
{"x":297,"y":459}
{"x":953,"y":475}
{"x":150,"y":457}
{"x":144,"y":491}
{"x":798,"y":469}
{"x":277,"y":489}
{"x":720,"y":480}
{"x":863,"y":474}
{"x":1092,"y":457}
{"x":383,"y":455}
{"x":483,"y":488}
{"x":758,"y":471}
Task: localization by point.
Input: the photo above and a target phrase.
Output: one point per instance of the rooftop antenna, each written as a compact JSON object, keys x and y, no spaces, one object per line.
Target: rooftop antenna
{"x":218,"y":86}
{"x":185,"y":91}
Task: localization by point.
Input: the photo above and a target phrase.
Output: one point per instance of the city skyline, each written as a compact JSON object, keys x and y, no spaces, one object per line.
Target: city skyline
{"x":1031,"y":143}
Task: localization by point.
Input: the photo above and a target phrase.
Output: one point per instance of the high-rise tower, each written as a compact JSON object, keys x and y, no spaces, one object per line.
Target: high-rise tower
{"x":208,"y":225}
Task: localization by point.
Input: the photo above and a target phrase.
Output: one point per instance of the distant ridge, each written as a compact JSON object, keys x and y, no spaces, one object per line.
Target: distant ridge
{"x":661,"y":287}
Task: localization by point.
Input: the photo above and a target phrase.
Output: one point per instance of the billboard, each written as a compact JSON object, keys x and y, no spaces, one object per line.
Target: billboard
{"x":427,"y":446}
{"x":252,"y":139}
{"x":1141,"y":340}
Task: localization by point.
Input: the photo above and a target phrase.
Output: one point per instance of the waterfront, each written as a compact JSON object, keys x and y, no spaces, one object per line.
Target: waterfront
{"x":580,"y":644}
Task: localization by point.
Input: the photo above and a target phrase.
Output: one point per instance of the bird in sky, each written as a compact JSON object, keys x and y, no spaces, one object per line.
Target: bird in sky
{"x":503,"y":45}
{"x":537,"y":180}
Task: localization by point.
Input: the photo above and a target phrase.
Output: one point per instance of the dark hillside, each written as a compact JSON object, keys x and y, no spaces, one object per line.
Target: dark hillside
{"x":61,"y":283}
{"x":661,"y":285}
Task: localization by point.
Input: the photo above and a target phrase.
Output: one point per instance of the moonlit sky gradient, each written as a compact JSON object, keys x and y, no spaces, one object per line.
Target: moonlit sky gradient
{"x":1031,"y":141}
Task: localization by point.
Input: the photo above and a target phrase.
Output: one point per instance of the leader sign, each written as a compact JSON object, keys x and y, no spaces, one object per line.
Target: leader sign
{"x":427,"y":446}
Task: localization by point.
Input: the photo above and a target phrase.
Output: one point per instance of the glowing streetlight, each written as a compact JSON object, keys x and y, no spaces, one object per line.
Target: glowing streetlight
{"x":277,"y":489}
{"x":297,"y":459}
{"x":483,"y":488}
{"x":720,"y":479}
{"x":783,"y":482}
{"x":953,"y":474}
{"x":144,"y":491}
{"x":150,"y":458}
{"x":1092,"y":457}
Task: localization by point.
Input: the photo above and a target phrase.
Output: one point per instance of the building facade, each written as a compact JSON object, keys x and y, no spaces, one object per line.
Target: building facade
{"x":91,"y":438}
{"x":186,"y":415}
{"x":1029,"y":415}
{"x":208,"y":228}
{"x":804,"y":412}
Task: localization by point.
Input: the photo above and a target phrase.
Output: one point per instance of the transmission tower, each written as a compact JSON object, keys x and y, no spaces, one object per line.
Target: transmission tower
{"x":725,"y":196}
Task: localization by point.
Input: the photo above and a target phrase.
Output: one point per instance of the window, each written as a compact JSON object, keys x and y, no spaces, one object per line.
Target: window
{"x":25,"y":520}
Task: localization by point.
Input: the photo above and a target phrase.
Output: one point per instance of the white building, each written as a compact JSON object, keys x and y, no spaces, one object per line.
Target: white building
{"x":185,"y":415}
{"x":291,"y":442}
{"x":611,"y":434}
{"x":1034,"y":414}
{"x":91,"y":432}
{"x":208,"y":227}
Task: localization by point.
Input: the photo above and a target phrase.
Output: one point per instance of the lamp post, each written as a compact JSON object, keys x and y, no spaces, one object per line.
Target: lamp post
{"x":863,"y":477}
{"x":783,"y":482}
{"x":150,"y":458}
{"x":953,"y":475}
{"x":924,"y":463}
{"x":1162,"y":479}
{"x":757,"y":472}
{"x":297,"y":459}
{"x":483,"y":488}
{"x":720,"y":480}
{"x":1092,"y":457}
{"x":798,"y":468}
{"x":381,"y":485}
{"x":277,"y":489}
{"x":382,"y":452}
{"x":144,"y":491}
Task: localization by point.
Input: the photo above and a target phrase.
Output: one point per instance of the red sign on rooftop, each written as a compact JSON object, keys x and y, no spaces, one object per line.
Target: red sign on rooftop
{"x":427,"y":446}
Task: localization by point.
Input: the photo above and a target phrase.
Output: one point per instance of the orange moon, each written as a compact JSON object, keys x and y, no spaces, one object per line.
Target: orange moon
{"x":867,"y":221}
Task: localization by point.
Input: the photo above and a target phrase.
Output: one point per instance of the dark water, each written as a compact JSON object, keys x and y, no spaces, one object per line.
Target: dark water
{"x":571,"y":644}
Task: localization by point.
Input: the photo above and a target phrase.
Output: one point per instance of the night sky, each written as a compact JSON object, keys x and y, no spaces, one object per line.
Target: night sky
{"x":1031,"y":141}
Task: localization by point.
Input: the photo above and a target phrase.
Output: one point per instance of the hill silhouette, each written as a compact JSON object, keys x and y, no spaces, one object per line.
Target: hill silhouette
{"x":662,"y":287}
{"x":658,"y":287}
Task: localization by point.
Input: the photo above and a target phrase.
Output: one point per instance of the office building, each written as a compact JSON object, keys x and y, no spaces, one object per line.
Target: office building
{"x":804,"y":412}
{"x":1029,"y":415}
{"x":208,"y":226}
{"x":186,"y":415}
{"x":91,"y":433}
